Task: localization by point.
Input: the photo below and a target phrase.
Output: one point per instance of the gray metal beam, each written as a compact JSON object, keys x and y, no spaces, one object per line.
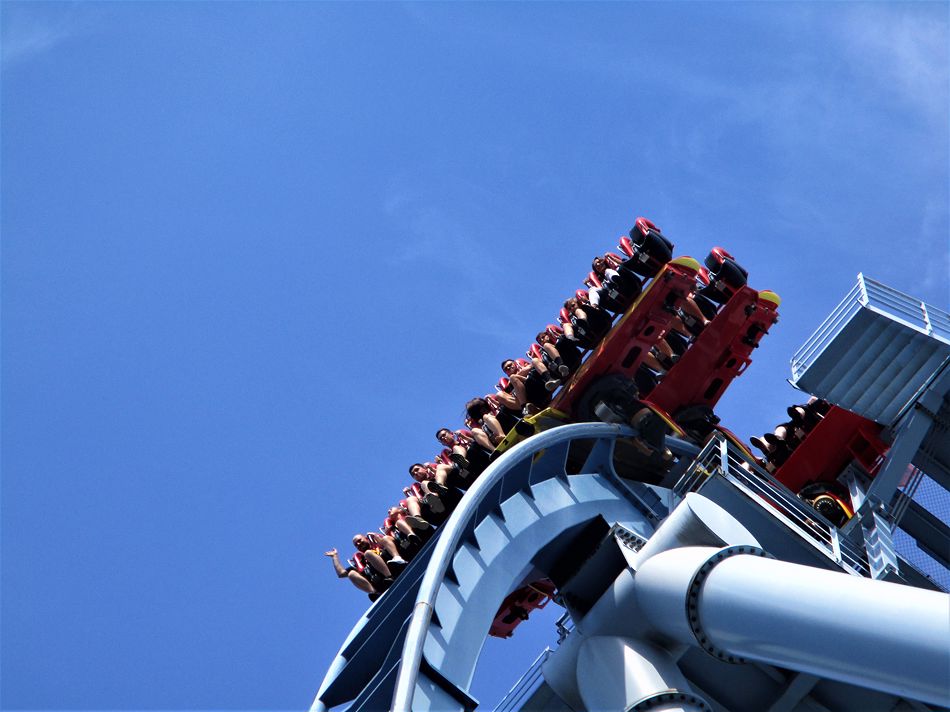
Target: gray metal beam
{"x":798,"y":685}
{"x":932,"y":535}
{"x":907,"y":439}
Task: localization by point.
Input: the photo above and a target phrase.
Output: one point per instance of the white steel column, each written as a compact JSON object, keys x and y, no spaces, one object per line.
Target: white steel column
{"x":616,"y":673}
{"x":875,"y":634}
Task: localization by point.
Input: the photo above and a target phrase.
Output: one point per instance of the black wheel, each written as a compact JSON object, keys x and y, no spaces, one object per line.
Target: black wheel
{"x":697,"y":420}
{"x":615,"y":392}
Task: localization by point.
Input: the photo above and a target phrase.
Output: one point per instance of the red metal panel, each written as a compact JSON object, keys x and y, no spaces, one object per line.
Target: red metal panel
{"x":644,"y":323}
{"x":719,"y":354}
{"x":517,"y":605}
{"x":838,"y":438}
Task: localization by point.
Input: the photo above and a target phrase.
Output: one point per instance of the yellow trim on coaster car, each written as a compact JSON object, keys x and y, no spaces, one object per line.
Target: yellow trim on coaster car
{"x":548,"y":414}
{"x":849,"y":512}
{"x":767,"y":295}
{"x":687,"y":262}
{"x":666,"y":419}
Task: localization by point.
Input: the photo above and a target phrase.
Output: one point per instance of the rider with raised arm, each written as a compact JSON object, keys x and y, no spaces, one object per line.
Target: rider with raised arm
{"x":370,"y":571}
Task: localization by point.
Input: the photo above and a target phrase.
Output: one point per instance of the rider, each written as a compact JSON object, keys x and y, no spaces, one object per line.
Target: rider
{"x":616,"y":290}
{"x":370,"y":573}
{"x":488,"y":431}
{"x":527,"y":385}
{"x":590,"y":323}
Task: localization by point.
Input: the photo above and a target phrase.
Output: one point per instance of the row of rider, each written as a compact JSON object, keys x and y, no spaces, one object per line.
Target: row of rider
{"x":527,"y":386}
{"x":831,"y":499}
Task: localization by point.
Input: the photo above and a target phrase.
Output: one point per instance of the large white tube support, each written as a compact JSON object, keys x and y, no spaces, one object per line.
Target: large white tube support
{"x":874,"y":634}
{"x":616,"y":673}
{"x":826,"y":623}
{"x":696,"y":521}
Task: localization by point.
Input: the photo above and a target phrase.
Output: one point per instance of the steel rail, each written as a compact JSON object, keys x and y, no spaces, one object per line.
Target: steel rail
{"x":454,"y":531}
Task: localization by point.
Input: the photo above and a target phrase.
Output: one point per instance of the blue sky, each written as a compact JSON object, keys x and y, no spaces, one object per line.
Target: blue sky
{"x":254,"y":255}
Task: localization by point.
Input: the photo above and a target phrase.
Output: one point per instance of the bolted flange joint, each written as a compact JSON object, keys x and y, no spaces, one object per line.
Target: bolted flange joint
{"x":692,"y":598}
{"x":661,"y":699}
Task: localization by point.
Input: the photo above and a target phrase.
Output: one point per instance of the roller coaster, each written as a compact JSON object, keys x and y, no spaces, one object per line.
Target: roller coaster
{"x":694,"y":574}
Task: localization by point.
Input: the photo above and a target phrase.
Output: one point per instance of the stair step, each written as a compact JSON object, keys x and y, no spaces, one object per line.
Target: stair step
{"x":553,"y":495}
{"x":492,"y":537}
{"x":468,"y":565}
{"x":519,"y":512}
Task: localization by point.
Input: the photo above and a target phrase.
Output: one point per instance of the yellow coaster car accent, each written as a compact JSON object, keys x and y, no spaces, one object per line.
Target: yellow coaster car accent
{"x":547,"y":418}
{"x":687,"y":262}
{"x":848,"y":511}
{"x":770,"y":296}
{"x":670,"y":423}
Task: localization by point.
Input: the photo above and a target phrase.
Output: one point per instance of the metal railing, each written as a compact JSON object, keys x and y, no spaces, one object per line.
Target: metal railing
{"x":531,"y":680}
{"x":706,"y":464}
{"x":723,"y":460}
{"x":905,"y":309}
{"x":826,"y":331}
{"x":564,"y":625}
{"x":526,"y":685}
{"x":872,"y":294}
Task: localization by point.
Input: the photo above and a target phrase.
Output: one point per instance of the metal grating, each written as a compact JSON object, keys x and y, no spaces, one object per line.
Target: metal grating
{"x":936,"y":500}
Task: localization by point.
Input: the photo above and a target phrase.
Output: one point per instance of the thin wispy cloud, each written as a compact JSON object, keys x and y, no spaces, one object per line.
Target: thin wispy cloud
{"x":880,"y":74}
{"x":905,"y":50}
{"x":30,"y":30}
{"x":429,"y":234}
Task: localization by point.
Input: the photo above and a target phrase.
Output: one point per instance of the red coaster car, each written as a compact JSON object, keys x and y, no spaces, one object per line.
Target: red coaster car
{"x":518,"y":605}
